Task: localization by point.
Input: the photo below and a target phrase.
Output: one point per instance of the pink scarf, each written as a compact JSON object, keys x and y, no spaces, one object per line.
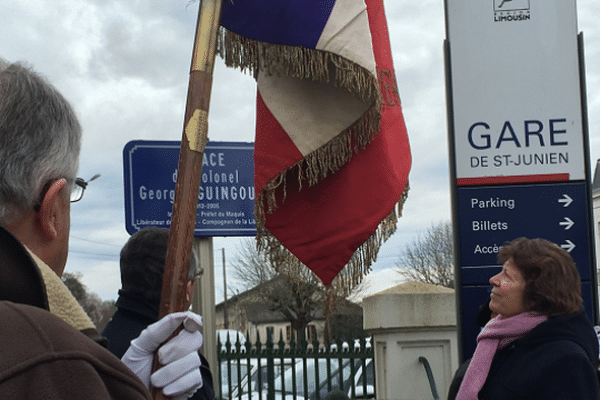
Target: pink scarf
{"x":498,"y":333}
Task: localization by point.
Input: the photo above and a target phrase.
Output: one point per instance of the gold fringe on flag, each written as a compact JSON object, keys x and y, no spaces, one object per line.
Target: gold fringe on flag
{"x":298,"y":62}
{"x":321,"y":162}
{"x":360,"y":262}
{"x":308,"y":64}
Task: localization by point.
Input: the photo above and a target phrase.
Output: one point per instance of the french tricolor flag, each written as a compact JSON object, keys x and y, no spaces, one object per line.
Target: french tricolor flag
{"x":331,"y":151}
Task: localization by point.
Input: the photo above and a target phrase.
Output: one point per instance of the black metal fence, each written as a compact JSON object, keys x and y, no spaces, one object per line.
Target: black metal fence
{"x":295,"y":370}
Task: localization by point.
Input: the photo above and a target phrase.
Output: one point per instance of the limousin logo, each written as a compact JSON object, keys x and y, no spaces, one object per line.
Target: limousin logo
{"x":511,"y":10}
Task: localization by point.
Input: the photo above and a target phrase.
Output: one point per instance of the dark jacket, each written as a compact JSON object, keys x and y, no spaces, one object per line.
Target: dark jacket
{"x":555,"y":360}
{"x":459,"y":375}
{"x":133,"y":315}
{"x":42,"y":356}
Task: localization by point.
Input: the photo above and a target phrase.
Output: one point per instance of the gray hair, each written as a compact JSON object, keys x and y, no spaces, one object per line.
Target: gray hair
{"x":40,"y":138}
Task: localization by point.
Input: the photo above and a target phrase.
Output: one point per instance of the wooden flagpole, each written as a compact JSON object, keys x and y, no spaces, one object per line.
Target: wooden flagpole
{"x":193,"y":143}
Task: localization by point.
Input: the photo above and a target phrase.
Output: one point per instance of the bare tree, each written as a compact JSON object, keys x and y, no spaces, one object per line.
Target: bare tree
{"x":294,"y":291}
{"x":296,"y":299}
{"x":76,"y":287}
{"x":99,"y":311}
{"x":251,"y":267}
{"x":430,"y":257}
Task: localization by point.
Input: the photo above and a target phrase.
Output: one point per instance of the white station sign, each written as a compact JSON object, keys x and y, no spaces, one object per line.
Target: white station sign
{"x":515,"y":91}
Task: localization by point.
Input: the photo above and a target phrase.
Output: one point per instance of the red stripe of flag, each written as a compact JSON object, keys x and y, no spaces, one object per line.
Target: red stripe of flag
{"x":324,"y":224}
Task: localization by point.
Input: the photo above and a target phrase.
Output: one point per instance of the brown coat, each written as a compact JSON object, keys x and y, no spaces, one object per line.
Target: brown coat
{"x":42,"y":357}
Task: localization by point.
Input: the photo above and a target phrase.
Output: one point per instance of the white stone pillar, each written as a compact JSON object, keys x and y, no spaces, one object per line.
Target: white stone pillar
{"x":407,"y":322}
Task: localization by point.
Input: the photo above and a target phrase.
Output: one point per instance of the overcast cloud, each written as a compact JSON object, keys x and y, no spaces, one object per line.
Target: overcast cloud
{"x":124,"y":66}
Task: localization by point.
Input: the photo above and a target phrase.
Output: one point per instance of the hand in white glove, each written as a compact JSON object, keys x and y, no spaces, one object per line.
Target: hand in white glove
{"x":180,"y":375}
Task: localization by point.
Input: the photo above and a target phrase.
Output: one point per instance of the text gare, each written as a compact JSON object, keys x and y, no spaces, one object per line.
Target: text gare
{"x":533,"y":135}
{"x":481,"y":137}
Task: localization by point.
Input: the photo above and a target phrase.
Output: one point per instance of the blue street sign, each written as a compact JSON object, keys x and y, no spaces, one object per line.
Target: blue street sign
{"x":226,"y":194}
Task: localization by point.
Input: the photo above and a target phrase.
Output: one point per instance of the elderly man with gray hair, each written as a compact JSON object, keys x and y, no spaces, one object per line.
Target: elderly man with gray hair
{"x":51,"y":348}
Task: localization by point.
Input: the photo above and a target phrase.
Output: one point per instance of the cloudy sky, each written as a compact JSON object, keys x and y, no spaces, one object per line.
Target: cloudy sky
{"x":124,"y":66}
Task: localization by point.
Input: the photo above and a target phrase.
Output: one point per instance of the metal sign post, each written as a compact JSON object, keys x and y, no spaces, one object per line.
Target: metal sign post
{"x":225,"y":206}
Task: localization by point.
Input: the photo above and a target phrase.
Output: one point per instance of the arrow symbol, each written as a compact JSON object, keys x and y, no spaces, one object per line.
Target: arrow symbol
{"x":569,"y":246}
{"x":567,"y":223}
{"x":566,"y":200}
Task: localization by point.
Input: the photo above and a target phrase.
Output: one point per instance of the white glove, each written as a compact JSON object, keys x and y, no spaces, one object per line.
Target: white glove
{"x":179,"y":377}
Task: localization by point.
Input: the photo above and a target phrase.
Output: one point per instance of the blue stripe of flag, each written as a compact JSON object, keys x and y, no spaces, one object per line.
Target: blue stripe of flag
{"x":286,"y":22}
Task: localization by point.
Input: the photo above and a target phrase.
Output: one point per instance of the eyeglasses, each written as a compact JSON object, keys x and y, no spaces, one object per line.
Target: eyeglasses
{"x":77,"y":190}
{"x":198,"y":273}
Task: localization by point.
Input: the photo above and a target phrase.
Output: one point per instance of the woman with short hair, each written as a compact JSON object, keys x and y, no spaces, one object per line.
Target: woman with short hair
{"x":541,"y":344}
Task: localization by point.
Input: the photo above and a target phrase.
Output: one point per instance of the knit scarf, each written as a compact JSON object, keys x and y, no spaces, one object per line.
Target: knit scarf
{"x":498,"y":333}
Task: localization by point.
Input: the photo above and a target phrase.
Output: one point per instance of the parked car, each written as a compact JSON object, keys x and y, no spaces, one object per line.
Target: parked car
{"x":240,"y":376}
{"x":329,"y":380}
{"x":232,"y":372}
{"x":320,"y":380}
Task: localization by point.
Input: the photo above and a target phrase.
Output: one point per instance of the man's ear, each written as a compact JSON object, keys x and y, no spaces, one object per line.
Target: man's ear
{"x":49,"y":215}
